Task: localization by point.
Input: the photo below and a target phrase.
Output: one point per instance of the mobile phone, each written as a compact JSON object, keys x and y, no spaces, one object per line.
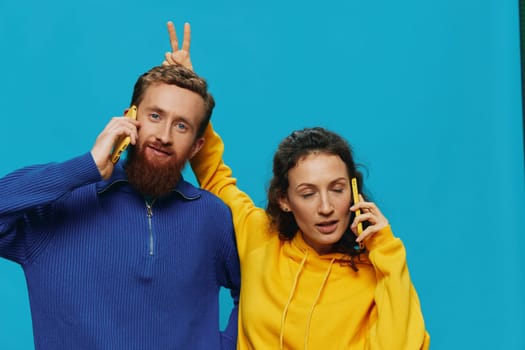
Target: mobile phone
{"x":355,"y":196}
{"x":123,"y":142}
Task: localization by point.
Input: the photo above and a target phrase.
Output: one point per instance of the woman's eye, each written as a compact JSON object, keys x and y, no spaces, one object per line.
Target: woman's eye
{"x":306,"y":195}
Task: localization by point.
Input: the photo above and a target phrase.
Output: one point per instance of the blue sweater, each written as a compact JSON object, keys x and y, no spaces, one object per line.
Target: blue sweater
{"x":104,"y":271}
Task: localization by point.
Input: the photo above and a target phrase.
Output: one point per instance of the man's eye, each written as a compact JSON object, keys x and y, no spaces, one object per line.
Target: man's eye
{"x":181,"y":126}
{"x":154,"y":116}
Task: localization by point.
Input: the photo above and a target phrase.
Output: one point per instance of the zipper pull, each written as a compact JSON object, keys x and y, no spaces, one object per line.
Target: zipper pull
{"x":150,"y":211}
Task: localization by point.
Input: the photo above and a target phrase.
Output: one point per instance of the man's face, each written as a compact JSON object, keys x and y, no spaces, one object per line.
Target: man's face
{"x":169,"y":118}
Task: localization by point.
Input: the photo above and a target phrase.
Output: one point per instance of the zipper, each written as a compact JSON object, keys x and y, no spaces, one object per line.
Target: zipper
{"x":150,"y":215}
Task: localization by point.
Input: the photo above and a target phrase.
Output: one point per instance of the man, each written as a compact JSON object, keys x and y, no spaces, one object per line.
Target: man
{"x":126,"y":256}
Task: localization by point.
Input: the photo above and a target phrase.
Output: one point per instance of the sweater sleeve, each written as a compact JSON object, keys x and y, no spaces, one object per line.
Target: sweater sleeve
{"x":397,"y":321}
{"x":250,"y":222}
{"x":28,"y":195}
{"x":229,"y":275}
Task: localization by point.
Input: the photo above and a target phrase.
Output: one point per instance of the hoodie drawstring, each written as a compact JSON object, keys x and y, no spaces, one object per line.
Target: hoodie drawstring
{"x":315,"y":302}
{"x":285,"y":311}
{"x":292,"y":292}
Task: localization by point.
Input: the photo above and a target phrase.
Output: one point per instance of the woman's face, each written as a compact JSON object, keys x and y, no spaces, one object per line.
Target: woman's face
{"x":319,"y":196}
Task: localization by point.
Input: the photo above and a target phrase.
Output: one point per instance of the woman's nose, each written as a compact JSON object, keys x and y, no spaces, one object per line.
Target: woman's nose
{"x":325,"y":206}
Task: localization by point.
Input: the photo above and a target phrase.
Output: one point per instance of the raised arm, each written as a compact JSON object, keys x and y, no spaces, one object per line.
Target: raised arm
{"x":214,"y":175}
{"x":211,"y":172}
{"x":30,"y":193}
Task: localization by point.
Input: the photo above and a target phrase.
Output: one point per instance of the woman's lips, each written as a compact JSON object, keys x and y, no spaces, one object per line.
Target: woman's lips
{"x":327,"y":226}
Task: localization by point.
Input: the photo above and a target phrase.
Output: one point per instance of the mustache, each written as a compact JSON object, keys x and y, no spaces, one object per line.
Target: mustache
{"x":163,"y":147}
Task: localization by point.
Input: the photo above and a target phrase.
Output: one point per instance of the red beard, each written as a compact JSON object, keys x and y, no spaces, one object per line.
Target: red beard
{"x":149,"y":177}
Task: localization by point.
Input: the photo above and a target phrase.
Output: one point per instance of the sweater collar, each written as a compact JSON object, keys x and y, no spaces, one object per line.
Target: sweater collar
{"x":183,"y":188}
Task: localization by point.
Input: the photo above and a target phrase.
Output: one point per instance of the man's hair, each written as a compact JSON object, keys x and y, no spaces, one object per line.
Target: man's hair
{"x":181,"y":77}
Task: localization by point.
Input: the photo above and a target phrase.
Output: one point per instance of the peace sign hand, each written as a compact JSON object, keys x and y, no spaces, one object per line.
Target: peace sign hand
{"x":176,"y":56}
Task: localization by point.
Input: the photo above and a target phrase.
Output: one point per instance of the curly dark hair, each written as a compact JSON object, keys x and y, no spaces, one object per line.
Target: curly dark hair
{"x":294,"y":147}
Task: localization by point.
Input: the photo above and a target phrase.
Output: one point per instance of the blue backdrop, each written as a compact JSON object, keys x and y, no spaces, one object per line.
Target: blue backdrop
{"x":427,"y":92}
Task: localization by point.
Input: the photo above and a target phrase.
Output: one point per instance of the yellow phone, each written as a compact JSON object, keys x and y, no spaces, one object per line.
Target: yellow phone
{"x":355,"y":195}
{"x":123,"y":142}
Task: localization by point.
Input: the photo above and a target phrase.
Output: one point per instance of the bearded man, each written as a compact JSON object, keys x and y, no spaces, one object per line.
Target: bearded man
{"x":127,"y":255}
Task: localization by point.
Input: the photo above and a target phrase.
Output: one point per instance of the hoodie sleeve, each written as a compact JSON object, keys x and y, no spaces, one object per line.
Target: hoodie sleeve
{"x":250,"y":222}
{"x":396,"y":321}
{"x":28,"y":195}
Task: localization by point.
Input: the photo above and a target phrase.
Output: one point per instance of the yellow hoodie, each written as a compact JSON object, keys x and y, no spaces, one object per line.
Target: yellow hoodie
{"x":293,"y":298}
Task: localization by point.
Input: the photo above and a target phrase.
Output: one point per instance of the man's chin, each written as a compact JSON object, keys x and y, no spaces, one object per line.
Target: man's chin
{"x":153,"y":176}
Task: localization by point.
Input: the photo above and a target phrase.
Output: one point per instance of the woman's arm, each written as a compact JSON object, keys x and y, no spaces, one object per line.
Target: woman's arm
{"x":250,"y":222}
{"x":396,"y":322}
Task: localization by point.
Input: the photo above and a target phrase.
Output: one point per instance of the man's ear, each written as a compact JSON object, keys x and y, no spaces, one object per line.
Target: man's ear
{"x":197,"y":145}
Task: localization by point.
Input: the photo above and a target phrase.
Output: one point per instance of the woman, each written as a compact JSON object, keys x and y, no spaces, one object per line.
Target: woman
{"x":305,"y":281}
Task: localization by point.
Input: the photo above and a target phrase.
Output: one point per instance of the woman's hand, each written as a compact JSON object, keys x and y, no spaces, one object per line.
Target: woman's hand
{"x":370,"y":213}
{"x":177,"y":56}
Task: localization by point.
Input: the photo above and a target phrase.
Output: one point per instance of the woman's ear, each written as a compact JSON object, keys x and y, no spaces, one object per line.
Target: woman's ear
{"x":284,"y":204}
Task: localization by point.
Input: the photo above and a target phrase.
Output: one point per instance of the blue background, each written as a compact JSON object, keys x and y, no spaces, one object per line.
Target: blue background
{"x":427,"y":92}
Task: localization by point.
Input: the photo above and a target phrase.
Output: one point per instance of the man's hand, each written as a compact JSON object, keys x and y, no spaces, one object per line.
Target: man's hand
{"x":177,"y":56}
{"x":101,"y":151}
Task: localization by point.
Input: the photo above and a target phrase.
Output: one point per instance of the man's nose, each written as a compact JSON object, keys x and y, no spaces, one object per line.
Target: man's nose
{"x":163,"y":133}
